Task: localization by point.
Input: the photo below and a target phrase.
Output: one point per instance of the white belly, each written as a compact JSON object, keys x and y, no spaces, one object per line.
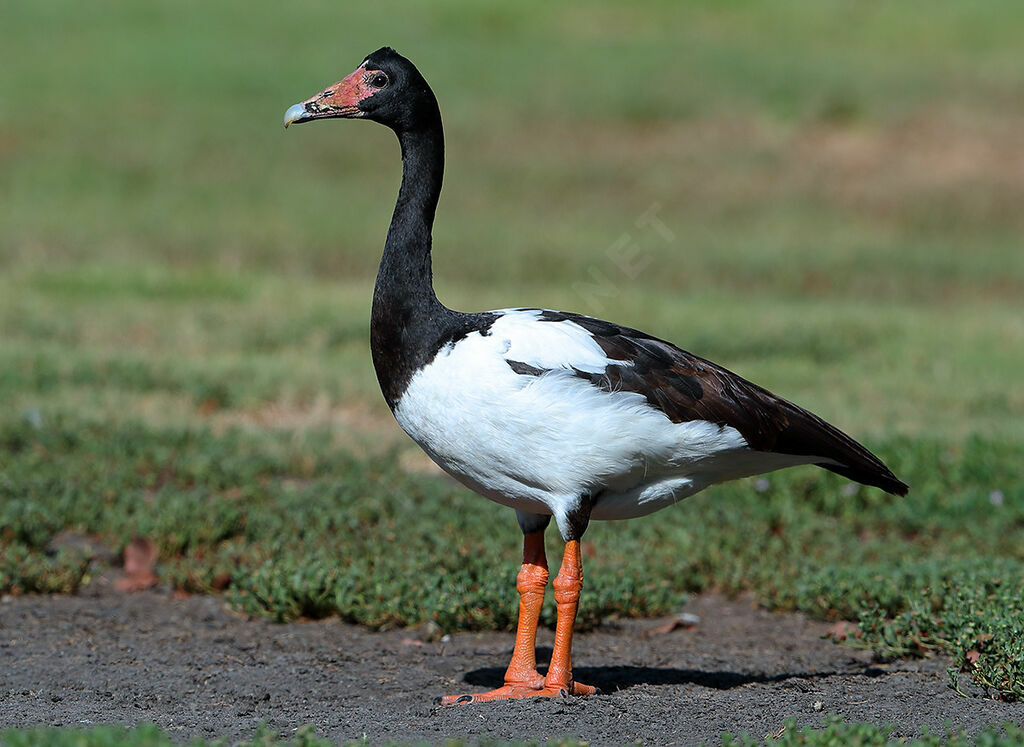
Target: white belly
{"x":537,"y":443}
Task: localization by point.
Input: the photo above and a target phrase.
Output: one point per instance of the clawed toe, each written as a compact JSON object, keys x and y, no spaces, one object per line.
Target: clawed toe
{"x":514,"y":692}
{"x":506,"y":692}
{"x":564,"y":691}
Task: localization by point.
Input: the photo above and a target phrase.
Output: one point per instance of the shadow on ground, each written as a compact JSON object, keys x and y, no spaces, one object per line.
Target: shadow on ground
{"x":197,"y":670}
{"x":618,"y":678}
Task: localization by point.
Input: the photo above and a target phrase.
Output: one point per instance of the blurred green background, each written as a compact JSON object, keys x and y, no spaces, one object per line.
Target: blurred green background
{"x":843,"y":184}
{"x":838,"y":188}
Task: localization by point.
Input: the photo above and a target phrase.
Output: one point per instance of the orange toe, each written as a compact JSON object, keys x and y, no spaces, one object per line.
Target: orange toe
{"x":564,"y":691}
{"x":578,"y":688}
{"x":505,"y":692}
{"x":511,"y":692}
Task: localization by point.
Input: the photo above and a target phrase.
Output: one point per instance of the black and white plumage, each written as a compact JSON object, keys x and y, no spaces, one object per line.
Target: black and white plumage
{"x":541,"y":410}
{"x":553,"y":414}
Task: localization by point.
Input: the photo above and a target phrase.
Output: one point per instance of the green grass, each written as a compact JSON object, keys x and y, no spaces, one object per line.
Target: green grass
{"x":289,"y":525}
{"x":839,"y":733}
{"x":185,"y":287}
{"x":146,"y":735}
{"x":836,"y":732}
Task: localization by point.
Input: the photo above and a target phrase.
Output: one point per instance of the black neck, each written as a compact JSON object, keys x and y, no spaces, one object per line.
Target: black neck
{"x":404,"y":277}
{"x":407,"y":318}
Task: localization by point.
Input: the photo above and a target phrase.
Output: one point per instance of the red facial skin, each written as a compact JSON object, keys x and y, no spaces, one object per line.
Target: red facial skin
{"x":342,"y":99}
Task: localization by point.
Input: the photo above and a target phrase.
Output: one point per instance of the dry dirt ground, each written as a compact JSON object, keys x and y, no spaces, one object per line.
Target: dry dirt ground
{"x":196,"y":669}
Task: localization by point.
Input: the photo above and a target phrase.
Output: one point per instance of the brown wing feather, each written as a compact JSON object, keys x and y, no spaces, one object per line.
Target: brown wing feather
{"x":686,"y":387}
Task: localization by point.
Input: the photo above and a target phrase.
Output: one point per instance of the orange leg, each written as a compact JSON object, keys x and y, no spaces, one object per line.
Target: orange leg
{"x":567,"y":584}
{"x":521,"y":677}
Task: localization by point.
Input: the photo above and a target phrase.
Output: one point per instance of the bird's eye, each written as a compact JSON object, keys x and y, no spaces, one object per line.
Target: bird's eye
{"x":378,"y":80}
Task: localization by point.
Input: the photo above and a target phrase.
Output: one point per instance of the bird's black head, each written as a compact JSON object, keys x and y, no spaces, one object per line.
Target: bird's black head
{"x":385,"y":88}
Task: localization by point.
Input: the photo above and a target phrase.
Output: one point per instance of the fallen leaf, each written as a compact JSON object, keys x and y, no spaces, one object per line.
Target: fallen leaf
{"x":842,"y":630}
{"x":972,"y":657}
{"x":139,"y":558}
{"x":221,"y":581}
{"x":684,"y":620}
